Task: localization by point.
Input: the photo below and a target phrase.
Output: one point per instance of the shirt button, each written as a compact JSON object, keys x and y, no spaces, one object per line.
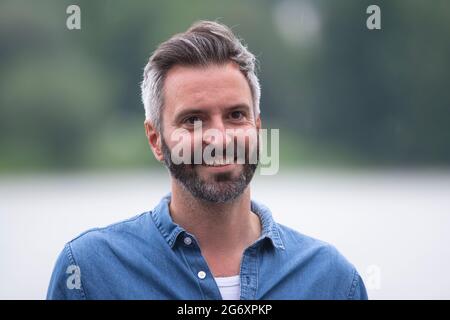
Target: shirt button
{"x":187,"y":241}
{"x":201,"y":274}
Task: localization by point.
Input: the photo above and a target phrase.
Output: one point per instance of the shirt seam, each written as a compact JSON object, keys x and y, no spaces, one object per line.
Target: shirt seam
{"x":111,"y":226}
{"x":257,"y":258}
{"x":353,"y":285}
{"x":72,"y":261}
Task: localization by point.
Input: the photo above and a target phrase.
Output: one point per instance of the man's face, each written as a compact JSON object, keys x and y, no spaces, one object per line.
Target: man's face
{"x":216,"y":97}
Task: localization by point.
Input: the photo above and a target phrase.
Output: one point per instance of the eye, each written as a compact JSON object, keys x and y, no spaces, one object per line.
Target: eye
{"x":236,"y":115}
{"x":192,"y":120}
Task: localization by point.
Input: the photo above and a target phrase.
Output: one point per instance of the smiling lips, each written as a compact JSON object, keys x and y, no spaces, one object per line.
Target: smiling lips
{"x":219,"y":163}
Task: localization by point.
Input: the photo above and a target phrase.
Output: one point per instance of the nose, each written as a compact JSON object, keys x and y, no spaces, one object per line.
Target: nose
{"x":217,"y":133}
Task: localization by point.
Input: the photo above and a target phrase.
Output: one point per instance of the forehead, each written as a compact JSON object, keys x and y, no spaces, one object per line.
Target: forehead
{"x":205,"y":87}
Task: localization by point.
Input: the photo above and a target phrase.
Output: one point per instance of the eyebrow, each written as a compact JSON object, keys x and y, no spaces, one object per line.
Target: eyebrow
{"x":195,"y":111}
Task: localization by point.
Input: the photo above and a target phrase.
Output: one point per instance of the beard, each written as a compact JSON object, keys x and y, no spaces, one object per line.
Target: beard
{"x":225,"y":186}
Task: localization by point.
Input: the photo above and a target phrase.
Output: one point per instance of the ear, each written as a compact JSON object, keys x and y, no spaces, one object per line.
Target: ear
{"x":154,"y":140}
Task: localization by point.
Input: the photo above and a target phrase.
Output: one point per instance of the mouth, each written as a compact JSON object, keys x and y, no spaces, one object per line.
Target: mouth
{"x":218,"y":163}
{"x":217,"y":166}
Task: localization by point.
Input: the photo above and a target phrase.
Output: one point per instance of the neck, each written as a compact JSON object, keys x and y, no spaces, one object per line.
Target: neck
{"x":222,"y":229}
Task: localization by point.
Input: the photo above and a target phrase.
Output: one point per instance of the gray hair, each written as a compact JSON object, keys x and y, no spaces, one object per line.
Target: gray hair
{"x":205,"y":42}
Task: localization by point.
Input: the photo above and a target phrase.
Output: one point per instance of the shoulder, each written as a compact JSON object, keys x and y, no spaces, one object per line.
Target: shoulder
{"x":94,"y":251}
{"x":325,"y":261}
{"x":295,"y":241}
{"x":98,"y":247}
{"x":128,"y":230}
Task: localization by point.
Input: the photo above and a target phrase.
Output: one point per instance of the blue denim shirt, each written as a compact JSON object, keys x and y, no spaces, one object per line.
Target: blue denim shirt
{"x":147,"y":257}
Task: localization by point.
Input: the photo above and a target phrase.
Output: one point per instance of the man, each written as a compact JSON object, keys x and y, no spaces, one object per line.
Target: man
{"x":206,"y":239}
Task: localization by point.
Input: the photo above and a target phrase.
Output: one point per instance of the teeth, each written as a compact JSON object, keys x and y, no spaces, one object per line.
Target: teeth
{"x":218,"y":163}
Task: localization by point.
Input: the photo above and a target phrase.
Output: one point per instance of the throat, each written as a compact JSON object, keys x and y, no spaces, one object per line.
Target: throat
{"x":224,"y":265}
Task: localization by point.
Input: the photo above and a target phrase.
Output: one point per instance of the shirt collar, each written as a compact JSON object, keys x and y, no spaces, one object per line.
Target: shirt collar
{"x":170,"y":230}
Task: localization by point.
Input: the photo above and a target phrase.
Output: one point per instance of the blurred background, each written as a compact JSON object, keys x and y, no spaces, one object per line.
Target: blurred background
{"x":363,"y":116}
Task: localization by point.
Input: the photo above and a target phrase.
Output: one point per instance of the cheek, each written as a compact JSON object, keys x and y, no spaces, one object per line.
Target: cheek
{"x":247,"y":139}
{"x":177,"y":138}
{"x":181,"y":143}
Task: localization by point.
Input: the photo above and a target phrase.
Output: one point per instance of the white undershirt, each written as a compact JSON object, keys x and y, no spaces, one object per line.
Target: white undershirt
{"x":230,"y":287}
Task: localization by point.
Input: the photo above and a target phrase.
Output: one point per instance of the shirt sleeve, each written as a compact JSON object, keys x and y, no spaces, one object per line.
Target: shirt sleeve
{"x":65,"y":282}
